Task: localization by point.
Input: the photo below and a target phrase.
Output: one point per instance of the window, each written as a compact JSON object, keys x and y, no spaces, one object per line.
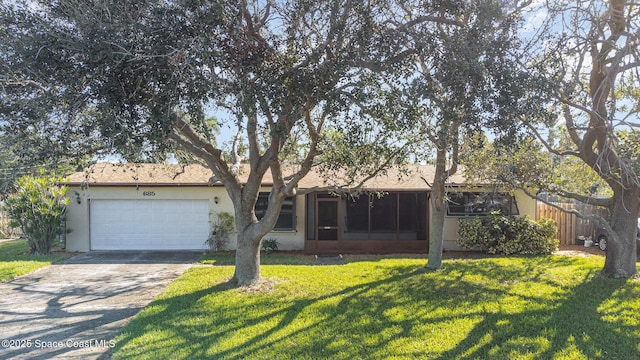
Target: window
{"x":481,"y":203}
{"x":287,"y":218}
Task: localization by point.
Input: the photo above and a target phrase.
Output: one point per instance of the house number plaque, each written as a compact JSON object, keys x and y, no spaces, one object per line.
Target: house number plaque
{"x":148,"y":193}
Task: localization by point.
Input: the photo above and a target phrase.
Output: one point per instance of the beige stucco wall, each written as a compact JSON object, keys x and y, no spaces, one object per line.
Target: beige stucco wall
{"x":78,"y":215}
{"x":526,"y":207}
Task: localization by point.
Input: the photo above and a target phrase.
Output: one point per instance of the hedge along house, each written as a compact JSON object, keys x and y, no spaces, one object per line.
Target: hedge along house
{"x":169,"y":207}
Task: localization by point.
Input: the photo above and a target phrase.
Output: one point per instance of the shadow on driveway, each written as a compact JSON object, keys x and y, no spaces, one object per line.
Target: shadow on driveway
{"x":74,"y":309}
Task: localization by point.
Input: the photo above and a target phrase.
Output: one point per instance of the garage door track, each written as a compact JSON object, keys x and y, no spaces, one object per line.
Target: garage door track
{"x":74,"y":309}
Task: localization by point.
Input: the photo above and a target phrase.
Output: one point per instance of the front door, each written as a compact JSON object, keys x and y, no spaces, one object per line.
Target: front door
{"x":327,"y":225}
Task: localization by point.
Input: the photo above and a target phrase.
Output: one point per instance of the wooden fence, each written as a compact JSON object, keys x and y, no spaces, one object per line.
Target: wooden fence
{"x":570,"y":226}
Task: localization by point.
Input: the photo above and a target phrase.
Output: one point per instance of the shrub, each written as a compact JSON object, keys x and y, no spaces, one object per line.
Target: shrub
{"x":498,"y":234}
{"x":269,"y":245}
{"x":6,"y":231}
{"x":38,"y":208}
{"x":222,"y":225}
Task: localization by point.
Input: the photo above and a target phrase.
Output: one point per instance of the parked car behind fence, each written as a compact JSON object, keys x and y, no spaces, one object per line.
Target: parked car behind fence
{"x":602,"y":236}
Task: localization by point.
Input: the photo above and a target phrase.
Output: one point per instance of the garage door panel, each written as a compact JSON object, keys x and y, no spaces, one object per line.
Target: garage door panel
{"x":149,"y":224}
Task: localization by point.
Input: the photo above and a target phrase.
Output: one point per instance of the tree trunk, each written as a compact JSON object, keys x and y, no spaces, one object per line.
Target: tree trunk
{"x":436,"y":228}
{"x":250,"y":233}
{"x":247,"y":271}
{"x":438,"y":211}
{"x":621,"y":243}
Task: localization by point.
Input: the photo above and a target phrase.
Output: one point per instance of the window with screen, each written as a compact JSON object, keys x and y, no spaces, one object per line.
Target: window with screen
{"x":395,"y":212}
{"x":358,"y":214}
{"x":287,"y":218}
{"x":481,"y":203}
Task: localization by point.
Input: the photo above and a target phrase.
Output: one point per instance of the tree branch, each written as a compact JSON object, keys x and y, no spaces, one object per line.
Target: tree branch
{"x":424,"y":19}
{"x":235,"y":152}
{"x":548,"y":146}
{"x":307,"y":163}
{"x":568,"y":211}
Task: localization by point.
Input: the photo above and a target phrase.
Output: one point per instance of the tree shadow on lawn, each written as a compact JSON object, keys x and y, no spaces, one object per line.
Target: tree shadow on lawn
{"x":405,"y":312}
{"x":205,"y":339}
{"x":574,"y":325}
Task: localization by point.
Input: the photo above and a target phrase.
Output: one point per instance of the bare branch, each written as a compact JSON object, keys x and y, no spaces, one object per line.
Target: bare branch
{"x":568,"y":211}
{"x":307,"y":163}
{"x":24,"y":82}
{"x":426,"y":19}
{"x":548,"y":146}
{"x":185,"y":129}
{"x":235,"y":152}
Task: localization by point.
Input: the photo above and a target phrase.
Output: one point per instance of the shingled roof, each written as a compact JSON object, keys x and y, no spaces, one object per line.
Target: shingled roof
{"x":109,"y":174}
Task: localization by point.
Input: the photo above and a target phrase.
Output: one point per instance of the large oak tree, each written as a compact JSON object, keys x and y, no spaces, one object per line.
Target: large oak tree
{"x":135,"y":77}
{"x":592,"y":53}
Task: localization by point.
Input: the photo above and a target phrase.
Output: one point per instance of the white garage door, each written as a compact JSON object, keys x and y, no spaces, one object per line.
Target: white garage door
{"x":149,"y":224}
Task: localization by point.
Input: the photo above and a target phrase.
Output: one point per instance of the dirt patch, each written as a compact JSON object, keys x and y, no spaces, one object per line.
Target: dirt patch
{"x":265,"y":285}
{"x":579,"y":250}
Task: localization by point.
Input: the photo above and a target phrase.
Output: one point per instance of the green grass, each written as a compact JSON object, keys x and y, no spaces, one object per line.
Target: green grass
{"x":15,"y":261}
{"x":546,"y":307}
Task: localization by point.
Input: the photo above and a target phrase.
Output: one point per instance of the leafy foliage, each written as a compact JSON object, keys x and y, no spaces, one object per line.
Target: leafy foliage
{"x":38,"y":208}
{"x":526,"y":163}
{"x":222,"y":225}
{"x":270,"y":245}
{"x":591,"y":55}
{"x":628,"y":145}
{"x":139,"y":78}
{"x":6,"y":231}
{"x":466,"y":78}
{"x":497,"y":234}
{"x":27,"y":157}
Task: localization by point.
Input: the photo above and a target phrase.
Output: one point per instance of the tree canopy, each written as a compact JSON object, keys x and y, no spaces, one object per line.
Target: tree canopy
{"x":344,"y":85}
{"x":590,"y":53}
{"x":465,"y":79}
{"x":134,"y":78}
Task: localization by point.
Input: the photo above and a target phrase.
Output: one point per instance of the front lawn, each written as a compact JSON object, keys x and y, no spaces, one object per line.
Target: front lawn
{"x":15,"y":261}
{"x":546,"y":307}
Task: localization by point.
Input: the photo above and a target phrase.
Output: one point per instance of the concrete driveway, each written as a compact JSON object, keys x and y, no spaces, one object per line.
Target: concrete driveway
{"x":74,"y":309}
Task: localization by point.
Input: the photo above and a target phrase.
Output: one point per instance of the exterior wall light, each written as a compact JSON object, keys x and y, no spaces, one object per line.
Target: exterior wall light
{"x":78,"y":199}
